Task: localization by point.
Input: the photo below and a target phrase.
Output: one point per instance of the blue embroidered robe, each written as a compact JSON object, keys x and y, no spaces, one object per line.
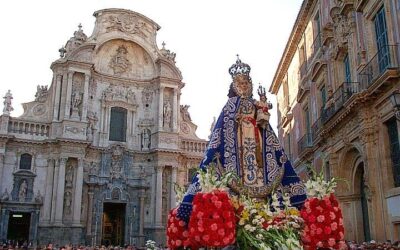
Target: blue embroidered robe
{"x":224,"y":150}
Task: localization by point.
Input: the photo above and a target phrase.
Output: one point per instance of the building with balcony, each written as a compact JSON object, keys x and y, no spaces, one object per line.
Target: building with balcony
{"x":94,"y":158}
{"x":334,"y":86}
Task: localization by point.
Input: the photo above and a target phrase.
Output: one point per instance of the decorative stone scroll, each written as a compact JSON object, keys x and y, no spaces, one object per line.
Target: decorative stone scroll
{"x":126,"y":23}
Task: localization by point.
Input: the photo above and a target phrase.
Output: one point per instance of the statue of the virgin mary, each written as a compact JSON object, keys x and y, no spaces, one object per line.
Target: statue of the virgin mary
{"x":242,"y":141}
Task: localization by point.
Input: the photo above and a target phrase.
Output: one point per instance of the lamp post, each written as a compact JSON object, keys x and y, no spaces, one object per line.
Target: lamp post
{"x":395,"y":100}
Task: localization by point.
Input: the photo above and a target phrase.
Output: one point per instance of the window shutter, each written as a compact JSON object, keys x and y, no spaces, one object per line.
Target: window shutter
{"x":118,"y":124}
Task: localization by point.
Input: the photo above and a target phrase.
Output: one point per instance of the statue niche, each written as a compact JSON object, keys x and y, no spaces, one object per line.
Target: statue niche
{"x":77,"y":95}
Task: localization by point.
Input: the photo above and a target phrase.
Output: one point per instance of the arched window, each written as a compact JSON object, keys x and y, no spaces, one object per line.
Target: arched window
{"x":118,"y":124}
{"x":25,"y":162}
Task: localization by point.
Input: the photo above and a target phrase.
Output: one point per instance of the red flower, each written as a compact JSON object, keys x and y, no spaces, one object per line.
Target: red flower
{"x":323,"y":223}
{"x":177,"y":232}
{"x":213,"y":221}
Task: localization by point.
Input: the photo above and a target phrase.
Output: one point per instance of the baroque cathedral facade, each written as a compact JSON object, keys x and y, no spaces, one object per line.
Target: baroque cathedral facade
{"x":94,"y":158}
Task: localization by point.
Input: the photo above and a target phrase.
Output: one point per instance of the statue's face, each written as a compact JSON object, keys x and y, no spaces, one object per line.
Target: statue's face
{"x":242,"y":86}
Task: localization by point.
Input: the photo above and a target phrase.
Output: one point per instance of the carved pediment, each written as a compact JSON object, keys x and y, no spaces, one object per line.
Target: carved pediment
{"x":124,"y":23}
{"x":304,"y":90}
{"x":318,"y":69}
{"x":25,"y":173}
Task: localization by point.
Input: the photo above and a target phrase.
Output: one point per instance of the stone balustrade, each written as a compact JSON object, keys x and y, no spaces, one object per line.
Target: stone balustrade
{"x":193,"y":146}
{"x":17,"y":126}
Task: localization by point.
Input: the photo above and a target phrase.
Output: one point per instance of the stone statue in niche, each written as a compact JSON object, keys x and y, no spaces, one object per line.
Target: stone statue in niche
{"x":167,"y":113}
{"x":41,"y":93}
{"x":119,"y":63}
{"x":7,"y":103}
{"x":5,"y":196}
{"x":92,"y":125}
{"x":75,"y":104}
{"x":23,"y":189}
{"x":146,"y":139}
{"x":67,"y":202}
{"x":69,"y":176}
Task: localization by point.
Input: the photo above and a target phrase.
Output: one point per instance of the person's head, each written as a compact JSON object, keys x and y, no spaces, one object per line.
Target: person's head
{"x":241,"y":85}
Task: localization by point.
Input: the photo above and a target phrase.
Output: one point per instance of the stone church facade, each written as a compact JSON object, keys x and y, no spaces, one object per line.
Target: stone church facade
{"x":94,"y":158}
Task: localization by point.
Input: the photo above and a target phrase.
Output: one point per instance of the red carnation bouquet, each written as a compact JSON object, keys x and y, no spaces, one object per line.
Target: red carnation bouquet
{"x":213,"y":221}
{"x":322,"y":215}
{"x":177,"y":232}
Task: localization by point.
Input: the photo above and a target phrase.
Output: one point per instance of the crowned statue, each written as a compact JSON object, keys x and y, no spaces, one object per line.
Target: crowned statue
{"x":242,"y":141}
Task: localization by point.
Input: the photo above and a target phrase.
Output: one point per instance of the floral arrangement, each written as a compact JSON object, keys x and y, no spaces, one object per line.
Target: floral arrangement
{"x":177,"y":231}
{"x":150,"y":245}
{"x":322,"y":215}
{"x":220,"y":219}
{"x":265,"y":225}
{"x":213,"y":221}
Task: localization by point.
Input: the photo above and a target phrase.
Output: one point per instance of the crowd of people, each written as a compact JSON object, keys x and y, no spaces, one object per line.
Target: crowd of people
{"x":373,"y":245}
{"x":69,"y":247}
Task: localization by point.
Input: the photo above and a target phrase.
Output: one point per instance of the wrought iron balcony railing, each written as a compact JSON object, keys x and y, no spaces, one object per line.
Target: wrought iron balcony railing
{"x":385,"y":59}
{"x":305,"y":142}
{"x":317,"y":43}
{"x":340,"y":96}
{"x":316,"y":128}
{"x":303,"y":70}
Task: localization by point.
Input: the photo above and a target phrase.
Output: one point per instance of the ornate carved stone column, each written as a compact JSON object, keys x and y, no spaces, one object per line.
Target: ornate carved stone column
{"x":60,"y":192}
{"x":78,"y":193}
{"x":48,"y":191}
{"x":1,"y":170}
{"x":68,"y":97}
{"x":142,"y":196}
{"x":57,"y":98}
{"x":4,"y":216}
{"x":158,"y":214}
{"x":54,"y":193}
{"x":89,"y":214}
{"x":160,"y":108}
{"x":173,"y":181}
{"x":85,"y":98}
{"x":175,"y":111}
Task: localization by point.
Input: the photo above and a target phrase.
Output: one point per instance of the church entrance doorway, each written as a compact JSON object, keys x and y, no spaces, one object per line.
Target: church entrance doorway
{"x":18,"y":227}
{"x":113,"y":224}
